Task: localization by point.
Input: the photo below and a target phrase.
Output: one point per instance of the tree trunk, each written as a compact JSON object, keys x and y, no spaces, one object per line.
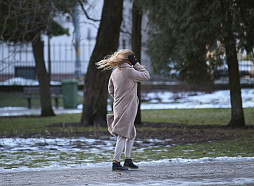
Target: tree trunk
{"x":136,"y":40}
{"x":96,"y":81}
{"x":43,"y":78}
{"x":237,"y":116}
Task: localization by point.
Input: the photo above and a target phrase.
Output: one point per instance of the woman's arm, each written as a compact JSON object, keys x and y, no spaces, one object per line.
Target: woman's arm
{"x":139,"y":73}
{"x":111,"y":87}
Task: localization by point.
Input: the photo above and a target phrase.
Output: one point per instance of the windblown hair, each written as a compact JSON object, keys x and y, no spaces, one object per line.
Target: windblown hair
{"x":115,"y":59}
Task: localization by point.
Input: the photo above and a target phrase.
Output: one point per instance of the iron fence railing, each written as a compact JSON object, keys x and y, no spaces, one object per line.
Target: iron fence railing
{"x":17,"y":66}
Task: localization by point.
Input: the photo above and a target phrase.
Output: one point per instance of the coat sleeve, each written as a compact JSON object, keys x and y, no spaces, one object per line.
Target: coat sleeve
{"x":111,"y":87}
{"x":140,"y":73}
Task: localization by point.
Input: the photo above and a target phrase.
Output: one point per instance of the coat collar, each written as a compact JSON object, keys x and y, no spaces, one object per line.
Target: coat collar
{"x":125,"y":65}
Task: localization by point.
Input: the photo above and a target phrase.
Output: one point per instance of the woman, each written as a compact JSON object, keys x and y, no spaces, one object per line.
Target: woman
{"x":122,"y":87}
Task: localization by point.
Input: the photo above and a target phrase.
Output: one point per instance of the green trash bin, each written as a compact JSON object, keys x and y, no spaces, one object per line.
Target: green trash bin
{"x":70,"y":93}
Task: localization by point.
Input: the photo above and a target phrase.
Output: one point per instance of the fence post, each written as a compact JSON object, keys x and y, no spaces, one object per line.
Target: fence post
{"x":77,"y":44}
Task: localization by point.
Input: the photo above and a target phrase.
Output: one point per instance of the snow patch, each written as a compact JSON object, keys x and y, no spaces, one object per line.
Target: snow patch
{"x":25,"y":82}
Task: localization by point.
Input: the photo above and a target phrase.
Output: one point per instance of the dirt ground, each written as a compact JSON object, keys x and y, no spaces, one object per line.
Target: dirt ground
{"x":185,"y":134}
{"x":178,"y":133}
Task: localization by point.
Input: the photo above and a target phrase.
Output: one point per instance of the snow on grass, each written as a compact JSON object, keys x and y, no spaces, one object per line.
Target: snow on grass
{"x":181,"y":100}
{"x":25,"y":82}
{"x":35,"y":153}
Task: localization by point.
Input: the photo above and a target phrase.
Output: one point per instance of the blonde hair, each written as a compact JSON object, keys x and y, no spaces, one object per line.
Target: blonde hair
{"x":115,"y":59}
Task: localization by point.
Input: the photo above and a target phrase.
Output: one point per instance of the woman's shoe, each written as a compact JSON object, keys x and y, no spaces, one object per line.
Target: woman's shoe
{"x":128,"y":163}
{"x":118,"y":166}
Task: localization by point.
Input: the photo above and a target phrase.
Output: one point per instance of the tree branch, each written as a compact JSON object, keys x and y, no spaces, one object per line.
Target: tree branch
{"x":86,"y":14}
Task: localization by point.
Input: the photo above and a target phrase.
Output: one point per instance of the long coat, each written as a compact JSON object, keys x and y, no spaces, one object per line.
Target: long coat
{"x":122,"y":87}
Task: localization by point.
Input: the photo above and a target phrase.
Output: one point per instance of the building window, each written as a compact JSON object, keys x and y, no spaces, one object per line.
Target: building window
{"x":26,"y":72}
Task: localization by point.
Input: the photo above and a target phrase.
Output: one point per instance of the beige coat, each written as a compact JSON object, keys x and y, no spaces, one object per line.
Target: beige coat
{"x":123,"y":88}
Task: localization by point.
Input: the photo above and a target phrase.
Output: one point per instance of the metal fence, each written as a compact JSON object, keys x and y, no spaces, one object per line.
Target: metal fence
{"x":17,"y":66}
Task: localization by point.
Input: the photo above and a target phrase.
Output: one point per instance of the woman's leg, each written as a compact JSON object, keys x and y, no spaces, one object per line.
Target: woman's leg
{"x":128,"y":147}
{"x":119,"y":148}
{"x":128,"y":161}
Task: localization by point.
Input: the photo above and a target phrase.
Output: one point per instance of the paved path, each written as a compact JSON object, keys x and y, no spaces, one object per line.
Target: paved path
{"x":213,"y":173}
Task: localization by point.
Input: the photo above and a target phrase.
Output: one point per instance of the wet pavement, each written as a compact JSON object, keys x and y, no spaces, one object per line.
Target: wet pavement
{"x":208,"y":173}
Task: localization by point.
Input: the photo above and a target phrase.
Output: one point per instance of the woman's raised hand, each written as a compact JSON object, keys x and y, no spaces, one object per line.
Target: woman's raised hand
{"x":132,"y":59}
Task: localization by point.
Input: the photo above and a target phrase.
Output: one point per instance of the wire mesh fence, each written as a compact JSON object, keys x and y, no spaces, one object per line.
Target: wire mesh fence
{"x":17,"y":65}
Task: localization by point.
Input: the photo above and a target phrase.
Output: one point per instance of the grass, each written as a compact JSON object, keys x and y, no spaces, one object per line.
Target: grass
{"x":39,"y":159}
{"x":238,"y":147}
{"x":16,"y":99}
{"x":243,"y":147}
{"x":211,"y":116}
{"x":240,"y":142}
{"x":16,"y":126}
